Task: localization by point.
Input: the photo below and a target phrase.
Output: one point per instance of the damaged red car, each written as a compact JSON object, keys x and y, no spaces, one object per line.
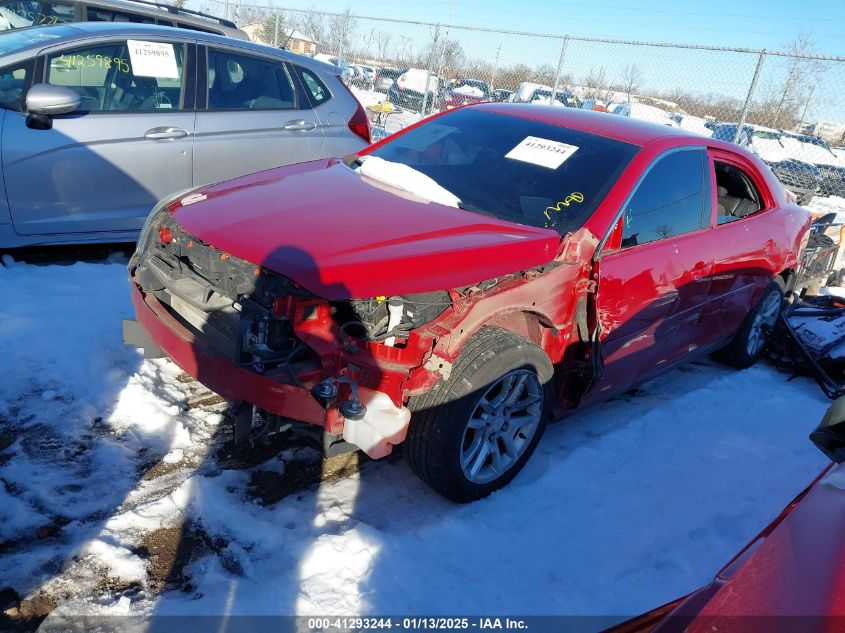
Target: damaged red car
{"x":458,"y":284}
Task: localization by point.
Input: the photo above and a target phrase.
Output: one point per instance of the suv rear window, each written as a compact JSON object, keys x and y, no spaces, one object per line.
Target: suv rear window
{"x":316,"y":88}
{"x":466,"y":152}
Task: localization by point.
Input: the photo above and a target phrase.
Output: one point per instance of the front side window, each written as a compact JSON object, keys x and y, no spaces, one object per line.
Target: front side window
{"x":13,"y":84}
{"x":670,"y":200}
{"x":513,"y":168}
{"x":122,"y":76}
{"x":18,"y":14}
{"x":244,"y":82}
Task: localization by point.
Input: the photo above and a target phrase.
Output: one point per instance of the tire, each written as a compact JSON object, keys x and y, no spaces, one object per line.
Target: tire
{"x":455,"y":440}
{"x":750,"y":341}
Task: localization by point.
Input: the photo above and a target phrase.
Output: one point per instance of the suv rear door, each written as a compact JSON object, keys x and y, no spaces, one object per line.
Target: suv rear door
{"x":252,"y":115}
{"x":130,"y":144}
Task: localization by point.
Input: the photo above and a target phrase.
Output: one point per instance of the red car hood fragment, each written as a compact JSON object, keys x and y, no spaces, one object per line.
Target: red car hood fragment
{"x":341,"y":236}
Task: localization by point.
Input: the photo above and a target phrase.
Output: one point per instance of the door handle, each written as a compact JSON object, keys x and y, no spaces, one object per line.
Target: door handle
{"x":299,"y":124}
{"x":165,"y":133}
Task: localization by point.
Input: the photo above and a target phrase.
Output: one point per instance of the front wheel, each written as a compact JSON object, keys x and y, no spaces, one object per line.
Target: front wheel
{"x":471,"y":434}
{"x":750,"y":341}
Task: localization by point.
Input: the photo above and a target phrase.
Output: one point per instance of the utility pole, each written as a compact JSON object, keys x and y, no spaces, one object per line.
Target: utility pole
{"x":806,"y":105}
{"x":495,"y":68}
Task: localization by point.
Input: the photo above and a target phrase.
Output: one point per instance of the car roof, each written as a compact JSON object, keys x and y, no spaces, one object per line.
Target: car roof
{"x":626,"y":129}
{"x":169,"y":12}
{"x":73,"y":31}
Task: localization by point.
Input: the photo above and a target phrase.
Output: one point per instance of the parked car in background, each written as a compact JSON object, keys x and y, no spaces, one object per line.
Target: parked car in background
{"x":814,"y":150}
{"x":644,"y":112}
{"x":385,"y":77}
{"x":594,"y":104}
{"x":415,"y":89}
{"x":499,"y":95}
{"x":507,"y":262}
{"x":693,"y":124}
{"x":790,"y":572}
{"x":464,"y":92}
{"x":94,"y":133}
{"x":529,"y":92}
{"x":346,"y":72}
{"x":799,"y":176}
{"x":18,"y":14}
{"x":361,"y":76}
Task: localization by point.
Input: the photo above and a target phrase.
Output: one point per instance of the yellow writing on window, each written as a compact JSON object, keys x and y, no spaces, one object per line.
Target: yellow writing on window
{"x":576,"y":196}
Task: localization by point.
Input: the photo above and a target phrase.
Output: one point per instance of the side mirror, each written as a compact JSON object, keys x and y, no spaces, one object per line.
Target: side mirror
{"x":48,"y":100}
{"x":829,"y":436}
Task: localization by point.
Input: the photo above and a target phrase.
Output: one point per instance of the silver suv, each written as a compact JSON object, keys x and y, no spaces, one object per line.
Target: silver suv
{"x":101,"y":120}
{"x":18,"y":14}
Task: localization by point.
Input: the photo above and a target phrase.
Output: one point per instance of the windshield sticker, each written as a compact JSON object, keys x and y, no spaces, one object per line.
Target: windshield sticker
{"x":153,"y":59}
{"x":540,"y":151}
{"x":575,"y":196}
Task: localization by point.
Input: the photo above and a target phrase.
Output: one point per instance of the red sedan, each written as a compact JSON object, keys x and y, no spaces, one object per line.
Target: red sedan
{"x":461,"y":282}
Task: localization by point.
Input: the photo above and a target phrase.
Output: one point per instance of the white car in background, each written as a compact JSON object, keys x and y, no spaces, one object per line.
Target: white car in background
{"x":644,"y":112}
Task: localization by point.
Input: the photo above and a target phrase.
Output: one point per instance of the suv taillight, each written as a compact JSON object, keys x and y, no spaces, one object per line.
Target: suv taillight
{"x":359,"y":123}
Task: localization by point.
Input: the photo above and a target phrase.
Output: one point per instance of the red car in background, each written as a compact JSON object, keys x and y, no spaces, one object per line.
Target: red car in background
{"x":466,"y":92}
{"x":790,"y":577}
{"x":460,"y":282}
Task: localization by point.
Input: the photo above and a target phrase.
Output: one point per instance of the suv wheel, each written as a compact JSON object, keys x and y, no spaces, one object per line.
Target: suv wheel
{"x":471,"y":434}
{"x":749,"y":343}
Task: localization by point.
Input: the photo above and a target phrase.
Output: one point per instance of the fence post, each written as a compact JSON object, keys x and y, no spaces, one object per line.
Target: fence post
{"x":430,"y":69}
{"x":276,"y":32}
{"x":747,"y":106}
{"x":559,"y":67}
{"x":495,"y":68}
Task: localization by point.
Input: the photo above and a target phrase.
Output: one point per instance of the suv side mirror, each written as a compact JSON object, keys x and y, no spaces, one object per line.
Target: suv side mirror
{"x":829,"y":436}
{"x":45,"y":99}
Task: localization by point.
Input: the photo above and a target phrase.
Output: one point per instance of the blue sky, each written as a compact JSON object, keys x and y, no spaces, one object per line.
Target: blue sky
{"x":758,"y":24}
{"x":771,"y":25}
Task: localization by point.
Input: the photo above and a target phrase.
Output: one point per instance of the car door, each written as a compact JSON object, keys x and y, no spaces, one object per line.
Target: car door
{"x":105,"y":166}
{"x":252,"y":114}
{"x":653,"y":271}
{"x":745,"y":241}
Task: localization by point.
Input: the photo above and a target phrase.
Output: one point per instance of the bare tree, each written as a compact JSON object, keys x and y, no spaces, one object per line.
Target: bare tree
{"x":596,"y":84}
{"x":179,"y":4}
{"x":631,"y":79}
{"x":803,"y":72}
{"x":382,"y":44}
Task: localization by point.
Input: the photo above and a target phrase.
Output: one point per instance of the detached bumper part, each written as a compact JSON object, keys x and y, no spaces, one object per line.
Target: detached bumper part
{"x":135,"y":336}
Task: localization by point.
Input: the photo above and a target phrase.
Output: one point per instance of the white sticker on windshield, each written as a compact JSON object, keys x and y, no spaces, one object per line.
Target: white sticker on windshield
{"x":153,"y":59}
{"x":540,"y":151}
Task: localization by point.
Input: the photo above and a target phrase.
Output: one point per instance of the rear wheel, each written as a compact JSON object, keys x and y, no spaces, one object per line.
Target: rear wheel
{"x":750,"y":341}
{"x":471,"y":434}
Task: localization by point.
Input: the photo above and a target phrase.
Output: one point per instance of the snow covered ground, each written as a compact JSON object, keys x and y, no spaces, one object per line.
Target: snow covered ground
{"x":114,"y":500}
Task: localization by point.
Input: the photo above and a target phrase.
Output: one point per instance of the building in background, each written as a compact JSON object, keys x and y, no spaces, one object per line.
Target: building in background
{"x":289,"y":39}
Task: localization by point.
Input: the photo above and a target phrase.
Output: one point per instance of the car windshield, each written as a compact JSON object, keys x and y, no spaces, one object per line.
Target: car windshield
{"x":11,"y":41}
{"x":19,"y":14}
{"x":512,"y":168}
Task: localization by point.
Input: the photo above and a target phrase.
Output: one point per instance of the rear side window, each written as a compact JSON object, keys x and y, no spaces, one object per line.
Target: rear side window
{"x":106,"y":15}
{"x":671,"y":200}
{"x":244,"y":82}
{"x":20,"y":13}
{"x":737,"y":197}
{"x":316,"y":88}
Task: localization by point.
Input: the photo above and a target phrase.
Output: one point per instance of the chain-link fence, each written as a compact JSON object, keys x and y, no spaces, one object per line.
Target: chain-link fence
{"x":786,"y":106}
